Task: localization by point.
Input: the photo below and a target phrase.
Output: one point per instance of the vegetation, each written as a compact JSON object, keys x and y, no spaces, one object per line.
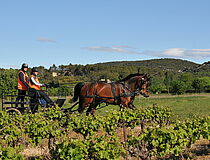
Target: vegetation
{"x":98,"y":137}
{"x":168,"y":75}
{"x":184,"y":106}
{"x":8,"y":81}
{"x":142,"y":133}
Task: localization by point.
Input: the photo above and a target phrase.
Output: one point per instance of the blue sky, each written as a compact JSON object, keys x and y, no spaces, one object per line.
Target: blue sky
{"x":46,"y":32}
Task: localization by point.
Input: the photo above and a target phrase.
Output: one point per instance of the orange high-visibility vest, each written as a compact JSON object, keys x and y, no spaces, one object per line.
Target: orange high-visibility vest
{"x":32,"y":85}
{"x":21,"y":86}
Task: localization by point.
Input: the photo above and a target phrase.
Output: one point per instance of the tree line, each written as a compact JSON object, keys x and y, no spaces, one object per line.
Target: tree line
{"x":164,"y":79}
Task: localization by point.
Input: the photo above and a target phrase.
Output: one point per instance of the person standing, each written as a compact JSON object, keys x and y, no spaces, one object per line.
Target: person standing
{"x":22,"y":84}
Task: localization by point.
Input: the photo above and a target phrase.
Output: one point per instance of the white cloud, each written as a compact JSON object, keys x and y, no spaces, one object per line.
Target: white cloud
{"x":170,"y":53}
{"x":123,"y":46}
{"x":44,"y":39}
{"x":183,"y":53}
{"x":111,"y":49}
{"x":10,"y":66}
{"x":201,"y":50}
{"x":174,"y":52}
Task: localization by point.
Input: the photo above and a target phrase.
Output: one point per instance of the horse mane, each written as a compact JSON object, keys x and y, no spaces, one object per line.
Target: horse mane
{"x":130,"y":76}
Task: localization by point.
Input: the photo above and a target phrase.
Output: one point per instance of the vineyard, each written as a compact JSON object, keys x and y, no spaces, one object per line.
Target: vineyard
{"x":149,"y":133}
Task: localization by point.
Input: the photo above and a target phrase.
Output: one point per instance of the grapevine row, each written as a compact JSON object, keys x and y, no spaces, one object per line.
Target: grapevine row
{"x":158,"y":135}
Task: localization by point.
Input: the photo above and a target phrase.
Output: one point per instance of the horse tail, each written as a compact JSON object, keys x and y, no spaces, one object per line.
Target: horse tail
{"x":77,"y":90}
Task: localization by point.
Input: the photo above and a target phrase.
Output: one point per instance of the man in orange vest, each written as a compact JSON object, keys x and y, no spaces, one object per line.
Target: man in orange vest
{"x":22,"y":84}
{"x":36,"y":85}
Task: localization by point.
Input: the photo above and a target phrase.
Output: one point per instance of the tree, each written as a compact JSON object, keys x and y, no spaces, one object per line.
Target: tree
{"x":169,"y":76}
{"x":199,"y":84}
{"x":8,"y":81}
{"x":178,"y":87}
{"x":187,"y":78}
{"x":157,"y":86}
{"x":53,"y":68}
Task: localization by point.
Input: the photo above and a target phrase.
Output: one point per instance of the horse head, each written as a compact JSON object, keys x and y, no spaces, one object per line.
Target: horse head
{"x":143,"y":85}
{"x":138,"y":82}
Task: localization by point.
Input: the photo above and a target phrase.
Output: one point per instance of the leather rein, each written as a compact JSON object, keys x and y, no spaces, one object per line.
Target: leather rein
{"x":123,"y":86}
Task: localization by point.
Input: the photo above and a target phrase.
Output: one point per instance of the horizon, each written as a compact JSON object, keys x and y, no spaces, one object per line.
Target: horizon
{"x":106,"y":62}
{"x":43,"y":33}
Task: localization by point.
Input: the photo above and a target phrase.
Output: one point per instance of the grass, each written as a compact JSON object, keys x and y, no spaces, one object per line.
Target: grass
{"x":183,"y":106}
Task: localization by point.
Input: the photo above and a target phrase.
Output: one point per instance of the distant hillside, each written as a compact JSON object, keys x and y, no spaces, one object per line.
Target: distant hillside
{"x":163,"y":64}
{"x":120,"y":69}
{"x":205,"y":67}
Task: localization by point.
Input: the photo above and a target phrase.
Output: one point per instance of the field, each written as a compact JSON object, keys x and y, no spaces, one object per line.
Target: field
{"x":187,"y":106}
{"x":163,"y":126}
{"x":183,"y":106}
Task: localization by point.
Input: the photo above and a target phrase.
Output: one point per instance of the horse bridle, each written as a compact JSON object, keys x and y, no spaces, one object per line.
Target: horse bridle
{"x":140,"y":86}
{"x":136,"y":91}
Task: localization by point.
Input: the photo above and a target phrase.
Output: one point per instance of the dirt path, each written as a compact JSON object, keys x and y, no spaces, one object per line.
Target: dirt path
{"x":201,"y":150}
{"x":184,"y":95}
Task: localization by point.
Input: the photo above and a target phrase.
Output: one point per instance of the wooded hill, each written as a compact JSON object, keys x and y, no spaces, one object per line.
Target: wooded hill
{"x":205,"y":67}
{"x":168,"y":75}
{"x":164,"y":64}
{"x":117,"y":70}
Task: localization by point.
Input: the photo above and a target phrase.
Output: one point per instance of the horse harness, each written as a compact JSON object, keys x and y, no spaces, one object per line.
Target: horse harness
{"x":116,"y":97}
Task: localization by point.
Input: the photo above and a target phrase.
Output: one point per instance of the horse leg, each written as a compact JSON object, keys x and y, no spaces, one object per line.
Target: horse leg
{"x":125,"y":102}
{"x":128,"y":102}
{"x":121,"y":107}
{"x":94,"y":109}
{"x":81,"y":106}
{"x":81,"y":109}
{"x":89,"y":110}
{"x":132,"y":106}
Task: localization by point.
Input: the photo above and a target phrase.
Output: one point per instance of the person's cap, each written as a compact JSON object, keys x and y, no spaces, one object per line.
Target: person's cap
{"x":34,"y":69}
{"x":24,"y":65}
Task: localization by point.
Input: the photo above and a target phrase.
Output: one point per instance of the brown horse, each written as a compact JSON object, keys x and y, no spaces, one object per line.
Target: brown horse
{"x":120,"y":93}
